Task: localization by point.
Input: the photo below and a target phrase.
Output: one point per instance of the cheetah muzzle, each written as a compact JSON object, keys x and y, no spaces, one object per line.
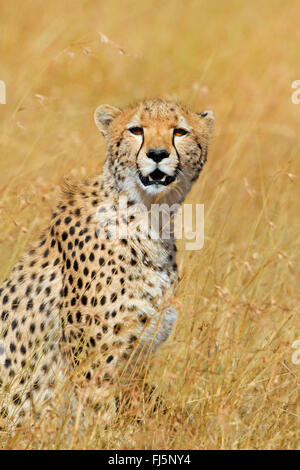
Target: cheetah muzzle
{"x":157,"y":177}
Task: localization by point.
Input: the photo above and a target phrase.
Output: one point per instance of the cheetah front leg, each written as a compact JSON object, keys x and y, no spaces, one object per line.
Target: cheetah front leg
{"x":108,"y":362}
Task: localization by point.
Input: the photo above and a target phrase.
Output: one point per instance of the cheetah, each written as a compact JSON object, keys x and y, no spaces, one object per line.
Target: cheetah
{"x":83,"y":300}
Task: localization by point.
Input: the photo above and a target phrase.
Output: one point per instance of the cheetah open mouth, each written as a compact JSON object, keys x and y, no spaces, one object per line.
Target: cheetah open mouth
{"x":157,"y":177}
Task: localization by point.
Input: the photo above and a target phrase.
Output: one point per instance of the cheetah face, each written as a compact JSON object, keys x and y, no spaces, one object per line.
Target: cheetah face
{"x":155,"y":144}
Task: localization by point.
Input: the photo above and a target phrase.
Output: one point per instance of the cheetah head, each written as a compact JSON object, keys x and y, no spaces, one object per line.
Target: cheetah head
{"x":155,"y":145}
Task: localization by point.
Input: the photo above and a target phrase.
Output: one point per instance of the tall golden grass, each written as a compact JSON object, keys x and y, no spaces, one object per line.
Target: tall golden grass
{"x":226,"y":375}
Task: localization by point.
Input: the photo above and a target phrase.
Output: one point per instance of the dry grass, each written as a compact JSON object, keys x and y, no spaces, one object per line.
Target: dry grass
{"x":226,"y":374}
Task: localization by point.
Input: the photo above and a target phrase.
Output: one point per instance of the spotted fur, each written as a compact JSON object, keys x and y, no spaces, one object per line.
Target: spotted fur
{"x":81,"y":301}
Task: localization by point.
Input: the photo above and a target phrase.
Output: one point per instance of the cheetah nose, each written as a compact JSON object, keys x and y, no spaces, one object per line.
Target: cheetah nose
{"x":157,"y":154}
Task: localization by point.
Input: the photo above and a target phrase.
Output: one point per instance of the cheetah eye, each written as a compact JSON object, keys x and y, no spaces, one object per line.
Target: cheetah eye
{"x":180,"y":132}
{"x":136,"y":130}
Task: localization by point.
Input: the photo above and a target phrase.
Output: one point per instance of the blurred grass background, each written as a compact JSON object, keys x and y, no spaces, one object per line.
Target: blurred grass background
{"x":227,"y":373}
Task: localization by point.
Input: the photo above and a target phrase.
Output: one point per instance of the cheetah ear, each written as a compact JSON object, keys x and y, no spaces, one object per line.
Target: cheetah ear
{"x":104,"y":115}
{"x":209,"y":117}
